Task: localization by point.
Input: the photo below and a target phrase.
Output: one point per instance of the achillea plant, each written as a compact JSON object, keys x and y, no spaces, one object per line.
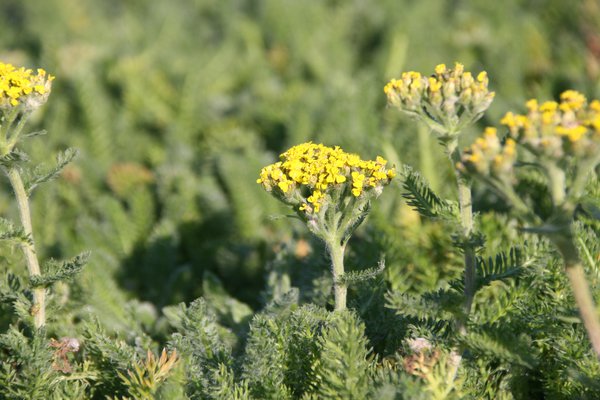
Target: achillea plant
{"x":331,"y":191}
{"x":21,"y":93}
{"x":561,"y":142}
{"x":447,"y":102}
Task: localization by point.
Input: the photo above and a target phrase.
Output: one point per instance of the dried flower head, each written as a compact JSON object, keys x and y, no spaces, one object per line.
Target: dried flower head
{"x":21,"y":87}
{"x":447,"y":101}
{"x":63,"y":347}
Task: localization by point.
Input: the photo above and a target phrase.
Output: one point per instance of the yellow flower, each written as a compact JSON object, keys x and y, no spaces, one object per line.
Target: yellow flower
{"x":308,"y":172}
{"x":20,"y":86}
{"x":572,"y":100}
{"x":447,"y":101}
{"x":488,"y":156}
{"x":573,"y":133}
{"x":552,"y":128}
{"x":284,"y":186}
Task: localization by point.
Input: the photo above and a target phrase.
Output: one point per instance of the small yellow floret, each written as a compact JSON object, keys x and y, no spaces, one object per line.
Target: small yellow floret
{"x":509,"y":120}
{"x":490,"y":131}
{"x":532,"y":105}
{"x":440,"y":69}
{"x":284,"y":186}
{"x":548,"y":106}
{"x":571,"y":100}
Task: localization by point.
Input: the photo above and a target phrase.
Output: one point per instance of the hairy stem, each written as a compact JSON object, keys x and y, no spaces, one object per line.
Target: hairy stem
{"x":581,"y":291}
{"x":340,"y":290}
{"x":466,"y":220}
{"x":33,"y":266}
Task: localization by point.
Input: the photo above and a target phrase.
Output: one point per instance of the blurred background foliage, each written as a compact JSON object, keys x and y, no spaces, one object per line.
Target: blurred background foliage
{"x":176,"y":105}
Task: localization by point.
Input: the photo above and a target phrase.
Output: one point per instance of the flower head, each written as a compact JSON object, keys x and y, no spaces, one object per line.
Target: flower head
{"x":314,"y":178}
{"x":559,"y":139}
{"x":488,"y":156}
{"x":558,"y":130}
{"x":447,"y":100}
{"x":23,"y":87}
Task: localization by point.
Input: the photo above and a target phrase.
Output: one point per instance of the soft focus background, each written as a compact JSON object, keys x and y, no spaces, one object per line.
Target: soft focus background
{"x":176,"y":105}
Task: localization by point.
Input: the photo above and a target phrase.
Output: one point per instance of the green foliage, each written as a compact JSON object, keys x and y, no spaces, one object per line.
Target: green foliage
{"x":11,"y":233}
{"x":503,"y":266}
{"x":32,"y":382}
{"x":39,"y":175}
{"x":62,"y":271}
{"x":342,"y":370}
{"x":353,"y":277}
{"x":420,"y":196}
{"x":202,"y":343}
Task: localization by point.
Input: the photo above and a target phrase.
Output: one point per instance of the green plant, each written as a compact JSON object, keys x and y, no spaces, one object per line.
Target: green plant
{"x":21,"y":93}
{"x":330,"y":191}
{"x":560,"y":144}
{"x":448,"y":102}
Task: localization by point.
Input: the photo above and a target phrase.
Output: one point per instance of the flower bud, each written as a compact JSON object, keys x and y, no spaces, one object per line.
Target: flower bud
{"x":448,"y":100}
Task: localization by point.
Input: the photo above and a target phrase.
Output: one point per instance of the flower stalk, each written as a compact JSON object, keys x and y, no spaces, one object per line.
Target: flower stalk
{"x":466,"y":220}
{"x":581,"y":291}
{"x":340,"y":288}
{"x":33,"y":267}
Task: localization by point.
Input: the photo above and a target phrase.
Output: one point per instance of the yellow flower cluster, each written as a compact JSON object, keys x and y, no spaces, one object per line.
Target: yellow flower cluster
{"x":571,"y":127}
{"x":309,"y":173}
{"x":551,"y":131}
{"x":451,"y":97}
{"x":22,"y":86}
{"x":488,"y":156}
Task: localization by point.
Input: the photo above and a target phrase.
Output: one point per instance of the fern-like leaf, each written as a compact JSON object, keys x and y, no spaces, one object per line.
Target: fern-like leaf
{"x":60,"y":271}
{"x":420,"y":196}
{"x":504,"y":265}
{"x":506,"y":346}
{"x":14,"y":158}
{"x":440,"y":304}
{"x":360,"y":276}
{"x":39,"y":176}
{"x":10,"y":233}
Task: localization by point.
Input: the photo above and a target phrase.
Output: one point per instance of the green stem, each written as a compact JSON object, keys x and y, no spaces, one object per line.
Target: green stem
{"x":33,"y":266}
{"x":557,"y":178}
{"x":340,"y":289}
{"x":7,"y":121}
{"x":466,"y":220}
{"x":581,"y":290}
{"x":426,"y":162}
{"x":16,"y":132}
